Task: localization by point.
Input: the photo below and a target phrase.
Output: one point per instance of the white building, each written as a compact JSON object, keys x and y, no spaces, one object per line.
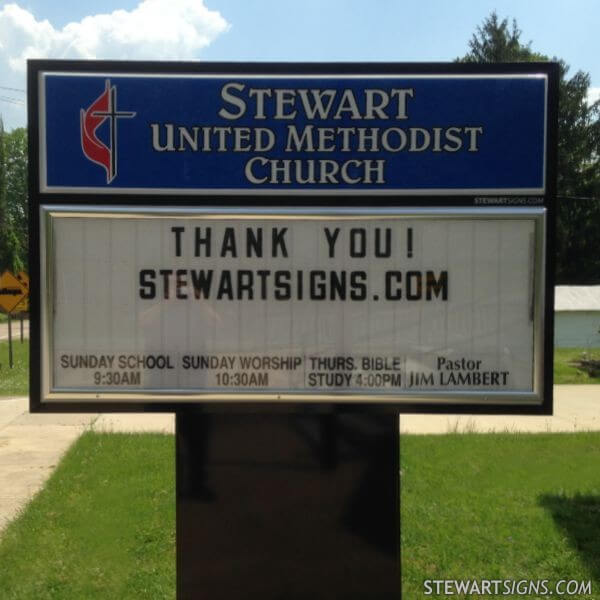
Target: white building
{"x":577,"y":316}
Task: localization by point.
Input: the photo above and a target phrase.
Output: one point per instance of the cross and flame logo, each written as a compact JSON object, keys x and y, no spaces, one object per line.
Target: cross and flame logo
{"x":102,"y":109}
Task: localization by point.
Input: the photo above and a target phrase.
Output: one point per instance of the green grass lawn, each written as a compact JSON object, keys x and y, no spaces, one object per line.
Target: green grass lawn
{"x":103,"y":527}
{"x":503,"y":506}
{"x":15,"y":381}
{"x":565,"y":372}
{"x":496,"y":506}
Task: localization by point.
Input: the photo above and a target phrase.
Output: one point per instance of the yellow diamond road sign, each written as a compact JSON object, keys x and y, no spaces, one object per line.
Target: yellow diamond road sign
{"x":12,"y":291}
{"x":23,"y":278}
{"x":23,"y":306}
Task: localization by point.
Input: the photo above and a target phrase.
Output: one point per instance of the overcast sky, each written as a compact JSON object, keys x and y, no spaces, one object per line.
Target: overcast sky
{"x":273,"y":30}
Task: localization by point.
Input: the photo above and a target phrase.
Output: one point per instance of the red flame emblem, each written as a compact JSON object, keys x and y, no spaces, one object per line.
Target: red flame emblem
{"x":102,"y":109}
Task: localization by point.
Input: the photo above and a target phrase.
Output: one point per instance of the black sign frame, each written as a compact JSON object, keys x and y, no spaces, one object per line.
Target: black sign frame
{"x":38,"y":199}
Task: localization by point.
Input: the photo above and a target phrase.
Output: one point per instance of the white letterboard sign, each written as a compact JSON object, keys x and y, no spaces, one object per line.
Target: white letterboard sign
{"x":288,"y":234}
{"x":304,"y":303}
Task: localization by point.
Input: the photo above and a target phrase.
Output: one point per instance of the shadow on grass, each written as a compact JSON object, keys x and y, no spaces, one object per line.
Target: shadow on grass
{"x":579,"y":518}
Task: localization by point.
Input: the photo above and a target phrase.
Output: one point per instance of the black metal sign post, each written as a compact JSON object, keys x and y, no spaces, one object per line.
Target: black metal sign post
{"x":287,"y":506}
{"x":10,"y":346}
{"x":12,"y":293}
{"x":287,"y":257}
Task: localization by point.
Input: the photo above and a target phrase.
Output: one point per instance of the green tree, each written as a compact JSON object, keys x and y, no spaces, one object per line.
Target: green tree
{"x":578,"y":222}
{"x":15,"y":144}
{"x":578,"y":203}
{"x":13,"y":204}
{"x":499,"y":41}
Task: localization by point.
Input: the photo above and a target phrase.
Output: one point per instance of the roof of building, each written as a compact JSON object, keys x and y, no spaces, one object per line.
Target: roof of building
{"x":577,"y":297}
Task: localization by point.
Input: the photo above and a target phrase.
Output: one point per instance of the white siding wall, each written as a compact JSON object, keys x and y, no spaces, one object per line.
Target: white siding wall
{"x":577,"y":329}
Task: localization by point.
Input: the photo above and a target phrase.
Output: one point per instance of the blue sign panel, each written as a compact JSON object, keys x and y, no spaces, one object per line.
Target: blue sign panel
{"x":206,"y":133}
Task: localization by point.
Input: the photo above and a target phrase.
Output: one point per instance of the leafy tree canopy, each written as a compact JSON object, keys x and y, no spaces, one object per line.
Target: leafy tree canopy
{"x":16,"y":189}
{"x":14,"y":235}
{"x":578,"y":208}
{"x":498,"y":41}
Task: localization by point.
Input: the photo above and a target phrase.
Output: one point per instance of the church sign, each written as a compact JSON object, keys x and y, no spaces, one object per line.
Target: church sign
{"x":293,"y":234}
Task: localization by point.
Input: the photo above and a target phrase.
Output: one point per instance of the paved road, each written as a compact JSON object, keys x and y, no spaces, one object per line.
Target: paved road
{"x":32,"y":445}
{"x":576,"y":408}
{"x":16,"y":330}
